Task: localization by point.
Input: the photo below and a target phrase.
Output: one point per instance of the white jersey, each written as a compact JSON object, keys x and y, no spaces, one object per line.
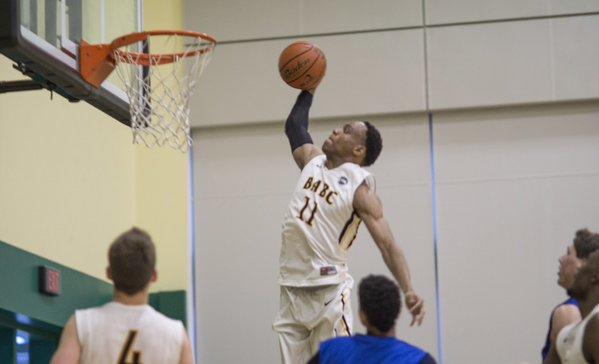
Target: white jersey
{"x":321,"y":224}
{"x":570,"y":339}
{"x":117,"y":333}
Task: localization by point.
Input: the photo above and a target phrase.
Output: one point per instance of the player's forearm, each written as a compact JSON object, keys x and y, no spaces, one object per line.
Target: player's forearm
{"x":396,"y":262}
{"x":296,"y":127}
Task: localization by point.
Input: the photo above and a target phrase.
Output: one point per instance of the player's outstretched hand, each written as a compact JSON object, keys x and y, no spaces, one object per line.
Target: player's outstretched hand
{"x":415,"y":304}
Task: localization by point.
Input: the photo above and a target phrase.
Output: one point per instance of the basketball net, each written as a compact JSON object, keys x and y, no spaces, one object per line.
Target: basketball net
{"x":160,"y":86}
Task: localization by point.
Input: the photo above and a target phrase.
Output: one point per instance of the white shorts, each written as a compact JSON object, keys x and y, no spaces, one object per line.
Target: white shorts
{"x":309,"y":315}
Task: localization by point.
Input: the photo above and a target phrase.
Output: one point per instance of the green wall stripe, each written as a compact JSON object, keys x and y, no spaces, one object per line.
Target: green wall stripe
{"x":22,"y":306}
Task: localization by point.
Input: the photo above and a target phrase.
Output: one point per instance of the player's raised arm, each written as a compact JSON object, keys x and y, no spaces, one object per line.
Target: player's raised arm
{"x":370,"y":209}
{"x":296,"y":129}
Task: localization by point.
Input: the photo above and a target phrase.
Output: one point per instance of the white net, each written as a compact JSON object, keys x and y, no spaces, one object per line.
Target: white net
{"x":160,"y":86}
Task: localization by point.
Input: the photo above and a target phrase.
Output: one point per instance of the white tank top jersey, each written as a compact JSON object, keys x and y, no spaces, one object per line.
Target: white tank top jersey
{"x":320,"y":224}
{"x":570,"y":339}
{"x":117,"y":333}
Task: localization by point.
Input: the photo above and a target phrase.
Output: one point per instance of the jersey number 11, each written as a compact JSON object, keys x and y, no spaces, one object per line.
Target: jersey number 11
{"x":312,"y":213}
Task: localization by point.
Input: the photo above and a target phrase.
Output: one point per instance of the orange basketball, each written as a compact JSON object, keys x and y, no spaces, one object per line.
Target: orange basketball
{"x":302,"y":65}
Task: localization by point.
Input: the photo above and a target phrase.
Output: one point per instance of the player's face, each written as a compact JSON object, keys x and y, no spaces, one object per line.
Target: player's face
{"x":347,"y":140}
{"x":582,"y":282}
{"x":569,"y":264}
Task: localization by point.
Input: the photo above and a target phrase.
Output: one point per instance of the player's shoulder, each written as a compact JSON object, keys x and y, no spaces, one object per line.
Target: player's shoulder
{"x":566,"y":312}
{"x":407,"y":346}
{"x":356,"y":172}
{"x":306,"y":154}
{"x":335,"y":345}
{"x":407,"y":350}
{"x":84,"y":313}
{"x":338,"y":341}
{"x":565,"y":308}
{"x":162,"y":319}
{"x":315,"y":161}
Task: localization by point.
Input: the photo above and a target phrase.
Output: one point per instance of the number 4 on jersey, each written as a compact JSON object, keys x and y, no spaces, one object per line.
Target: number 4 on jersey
{"x":126,"y":352}
{"x":312,"y":214}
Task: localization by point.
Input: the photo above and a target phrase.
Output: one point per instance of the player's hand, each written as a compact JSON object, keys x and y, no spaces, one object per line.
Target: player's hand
{"x":415,"y":304}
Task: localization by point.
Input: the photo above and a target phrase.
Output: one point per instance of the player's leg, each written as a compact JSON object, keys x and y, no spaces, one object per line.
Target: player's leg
{"x":336,"y":317}
{"x":293,"y":335}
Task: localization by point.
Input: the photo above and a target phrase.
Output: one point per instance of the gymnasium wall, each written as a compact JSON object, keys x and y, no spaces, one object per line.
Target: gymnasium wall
{"x":67,"y":177}
{"x":71,"y":180}
{"x":488,"y":112}
{"x":162,"y":184}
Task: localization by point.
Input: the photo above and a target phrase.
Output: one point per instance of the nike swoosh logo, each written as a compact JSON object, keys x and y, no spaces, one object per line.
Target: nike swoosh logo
{"x":331,"y":300}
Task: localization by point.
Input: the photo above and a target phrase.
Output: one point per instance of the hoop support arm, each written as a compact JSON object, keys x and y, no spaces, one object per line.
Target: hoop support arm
{"x":95,"y":62}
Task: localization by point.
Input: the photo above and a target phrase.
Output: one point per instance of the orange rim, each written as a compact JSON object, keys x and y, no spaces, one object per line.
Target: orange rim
{"x":148,"y":59}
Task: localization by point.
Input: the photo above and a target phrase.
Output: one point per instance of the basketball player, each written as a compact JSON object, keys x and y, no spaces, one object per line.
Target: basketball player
{"x":333,"y":195}
{"x":585,"y":242}
{"x":380,"y":305}
{"x":126,"y":330}
{"x":578,"y":343}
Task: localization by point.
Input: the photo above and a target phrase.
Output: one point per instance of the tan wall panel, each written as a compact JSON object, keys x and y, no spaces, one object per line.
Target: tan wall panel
{"x":381,"y":72}
{"x":490,"y":64}
{"x":241,"y":19}
{"x":576,"y":55}
{"x":441,"y":12}
{"x":351,"y":15}
{"x":230,"y":20}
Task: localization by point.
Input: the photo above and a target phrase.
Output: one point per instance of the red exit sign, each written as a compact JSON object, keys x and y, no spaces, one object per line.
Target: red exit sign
{"x":49,"y":281}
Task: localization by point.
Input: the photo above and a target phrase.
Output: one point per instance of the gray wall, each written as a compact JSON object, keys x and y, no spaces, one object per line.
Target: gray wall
{"x":515,"y":156}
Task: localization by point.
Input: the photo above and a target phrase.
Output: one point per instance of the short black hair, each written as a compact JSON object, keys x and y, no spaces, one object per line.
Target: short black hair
{"x":132,"y":258}
{"x":374,"y":144}
{"x":585,"y":242}
{"x":380,"y":301}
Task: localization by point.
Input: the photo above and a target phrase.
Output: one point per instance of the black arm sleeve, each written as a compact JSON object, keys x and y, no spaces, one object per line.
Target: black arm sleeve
{"x":428,"y":359}
{"x":315,"y":359}
{"x":296,"y":126}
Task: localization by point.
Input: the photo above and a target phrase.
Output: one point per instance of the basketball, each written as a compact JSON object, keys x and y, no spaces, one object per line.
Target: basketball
{"x":302,"y":65}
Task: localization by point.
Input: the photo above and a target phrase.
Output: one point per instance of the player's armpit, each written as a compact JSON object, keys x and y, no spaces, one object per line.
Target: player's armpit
{"x":590,"y":346}
{"x":304,"y":154}
{"x":563,"y":316}
{"x":69,"y":349}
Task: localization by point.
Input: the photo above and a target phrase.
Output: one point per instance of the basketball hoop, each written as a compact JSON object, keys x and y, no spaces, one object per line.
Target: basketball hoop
{"x":159,"y":85}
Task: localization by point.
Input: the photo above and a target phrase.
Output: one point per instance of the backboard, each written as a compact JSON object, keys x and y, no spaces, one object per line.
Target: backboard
{"x":42,"y":37}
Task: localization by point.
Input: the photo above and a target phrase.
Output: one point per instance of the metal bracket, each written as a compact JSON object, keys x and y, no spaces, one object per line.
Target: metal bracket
{"x":17,"y":86}
{"x":36,"y":83}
